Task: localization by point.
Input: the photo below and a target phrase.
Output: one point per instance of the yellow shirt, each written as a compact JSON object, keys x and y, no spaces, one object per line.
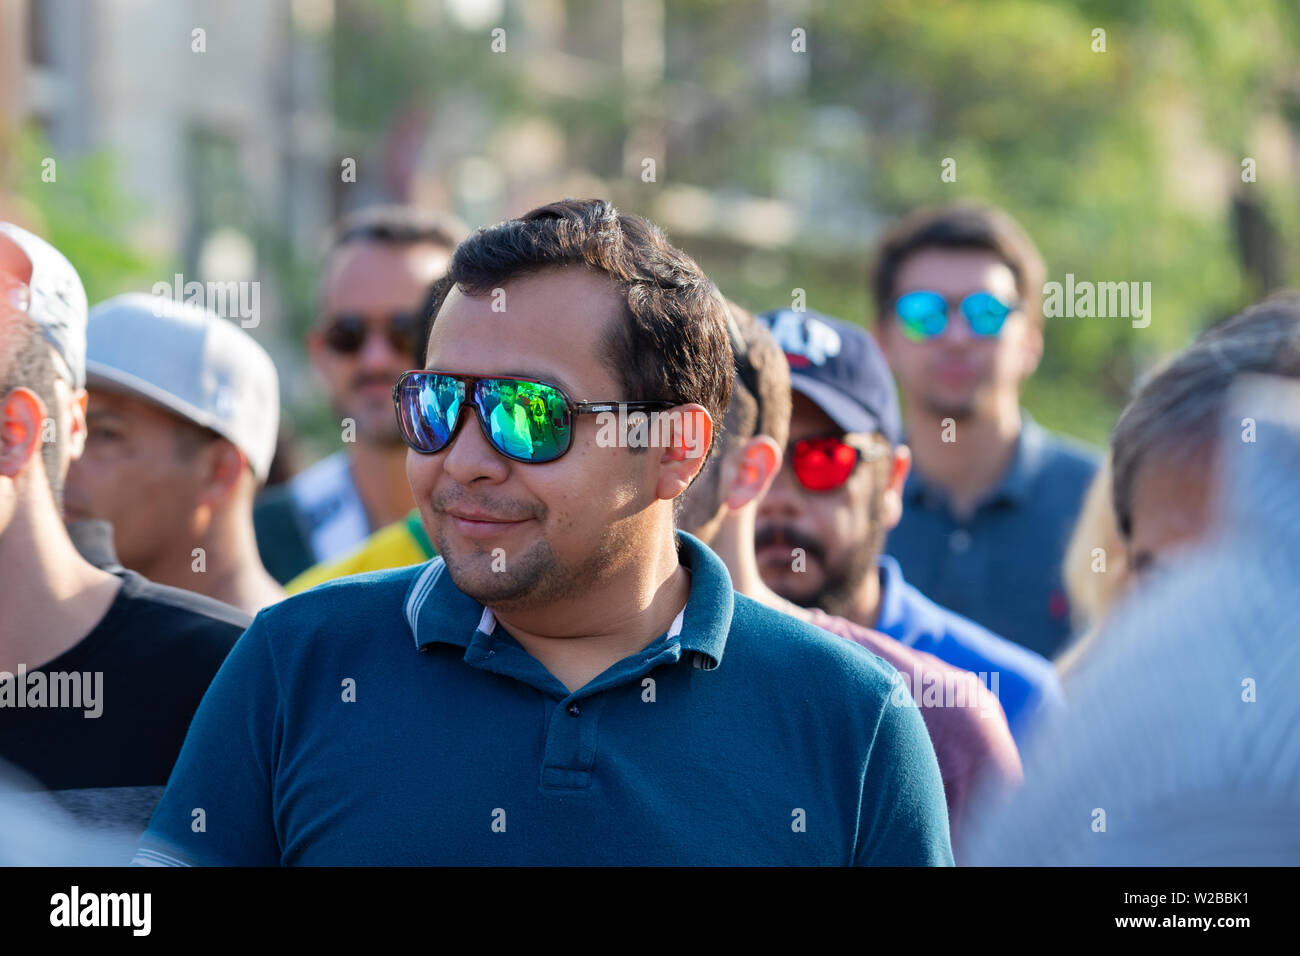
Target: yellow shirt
{"x":399,"y":544}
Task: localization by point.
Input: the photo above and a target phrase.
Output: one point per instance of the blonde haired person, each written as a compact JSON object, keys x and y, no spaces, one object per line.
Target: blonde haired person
{"x":1095,"y":569}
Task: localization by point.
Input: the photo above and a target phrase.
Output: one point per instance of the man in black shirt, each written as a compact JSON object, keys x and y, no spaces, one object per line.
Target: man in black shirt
{"x":100,"y":672}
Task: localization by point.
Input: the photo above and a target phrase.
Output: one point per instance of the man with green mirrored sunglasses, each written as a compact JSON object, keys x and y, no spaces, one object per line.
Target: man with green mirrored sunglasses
{"x":572,"y":680}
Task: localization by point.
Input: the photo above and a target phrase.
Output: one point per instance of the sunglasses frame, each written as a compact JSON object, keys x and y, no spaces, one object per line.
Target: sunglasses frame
{"x":874,"y":453}
{"x":471,"y":383}
{"x":389,"y":330}
{"x":1011,"y":307}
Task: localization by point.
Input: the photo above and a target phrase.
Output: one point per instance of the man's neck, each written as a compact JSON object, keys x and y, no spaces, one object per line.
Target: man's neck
{"x":379,"y":475}
{"x":966,"y":458}
{"x":229,"y":568}
{"x":52,"y":596}
{"x":578,"y":639}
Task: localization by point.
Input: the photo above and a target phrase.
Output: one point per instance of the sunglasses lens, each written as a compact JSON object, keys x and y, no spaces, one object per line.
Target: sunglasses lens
{"x":527,"y":421}
{"x":985,"y":312}
{"x":402,"y":329}
{"x":346,"y":334}
{"x":821,"y":464}
{"x":922,"y":315}
{"x":427,"y":407}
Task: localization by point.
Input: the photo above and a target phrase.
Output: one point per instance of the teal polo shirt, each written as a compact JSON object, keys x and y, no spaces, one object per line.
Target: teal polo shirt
{"x":387,"y":718}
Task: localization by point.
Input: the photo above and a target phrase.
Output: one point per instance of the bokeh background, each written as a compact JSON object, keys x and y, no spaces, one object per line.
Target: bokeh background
{"x":775,"y":167}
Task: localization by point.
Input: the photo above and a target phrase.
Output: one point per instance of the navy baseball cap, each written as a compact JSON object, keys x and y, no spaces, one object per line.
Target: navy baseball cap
{"x":839,"y":366}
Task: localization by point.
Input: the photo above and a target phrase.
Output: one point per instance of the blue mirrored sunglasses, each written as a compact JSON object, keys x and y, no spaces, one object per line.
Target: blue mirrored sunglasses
{"x":923,"y":315}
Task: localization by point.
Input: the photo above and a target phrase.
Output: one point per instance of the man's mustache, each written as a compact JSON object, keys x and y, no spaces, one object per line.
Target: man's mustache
{"x":774,"y":534}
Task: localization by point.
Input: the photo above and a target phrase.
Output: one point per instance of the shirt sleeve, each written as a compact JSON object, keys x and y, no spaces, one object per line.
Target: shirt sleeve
{"x":904,"y":819}
{"x":217,"y":807}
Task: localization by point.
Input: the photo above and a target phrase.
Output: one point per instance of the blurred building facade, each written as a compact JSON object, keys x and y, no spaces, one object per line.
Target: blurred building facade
{"x":214,"y":113}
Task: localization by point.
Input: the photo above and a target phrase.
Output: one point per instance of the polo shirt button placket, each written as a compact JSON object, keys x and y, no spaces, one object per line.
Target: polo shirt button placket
{"x":959,"y":541}
{"x":574,"y":709}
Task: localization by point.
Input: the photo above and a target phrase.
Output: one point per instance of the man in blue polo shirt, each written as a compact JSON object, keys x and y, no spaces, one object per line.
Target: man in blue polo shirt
{"x":993,"y":497}
{"x":822,"y":524}
{"x":571,"y":681}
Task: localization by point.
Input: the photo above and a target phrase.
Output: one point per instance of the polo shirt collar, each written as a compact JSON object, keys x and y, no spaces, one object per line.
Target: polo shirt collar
{"x":1016,"y":483}
{"x":439,"y":612}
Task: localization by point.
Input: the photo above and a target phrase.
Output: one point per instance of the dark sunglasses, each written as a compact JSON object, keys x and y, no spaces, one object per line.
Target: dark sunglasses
{"x":346,"y":334}
{"x":823,"y":464}
{"x":538,"y":428}
{"x":923,"y":315}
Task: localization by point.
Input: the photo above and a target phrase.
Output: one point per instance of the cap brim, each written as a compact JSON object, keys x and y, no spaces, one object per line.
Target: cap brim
{"x":844,"y":411}
{"x":112,"y":379}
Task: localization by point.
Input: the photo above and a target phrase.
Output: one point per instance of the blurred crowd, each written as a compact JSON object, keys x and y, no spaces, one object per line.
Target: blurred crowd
{"x":952,"y":634}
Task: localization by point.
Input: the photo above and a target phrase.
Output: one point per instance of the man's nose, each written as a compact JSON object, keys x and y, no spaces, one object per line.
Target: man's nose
{"x":378,"y":352}
{"x":958,"y":331}
{"x":470,"y":455}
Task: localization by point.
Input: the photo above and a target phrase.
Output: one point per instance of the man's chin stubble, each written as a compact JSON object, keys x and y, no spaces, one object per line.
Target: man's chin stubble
{"x":531,"y":579}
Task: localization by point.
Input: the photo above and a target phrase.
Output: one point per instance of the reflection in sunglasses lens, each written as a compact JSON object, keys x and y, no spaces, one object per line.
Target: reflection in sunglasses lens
{"x":527,"y":421}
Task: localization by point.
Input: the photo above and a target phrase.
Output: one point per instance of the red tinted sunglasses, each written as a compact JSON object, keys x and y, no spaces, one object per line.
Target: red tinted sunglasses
{"x":823,"y":464}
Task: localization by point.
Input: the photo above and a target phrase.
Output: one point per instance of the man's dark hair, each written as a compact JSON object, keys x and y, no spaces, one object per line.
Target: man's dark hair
{"x":1176,"y":411}
{"x":959,"y":226}
{"x":393,"y":225}
{"x":760,"y":396}
{"x":428,"y":309}
{"x":760,"y":405}
{"x":671,"y":342}
{"x":189,"y":438}
{"x":27,"y":361}
{"x":398,"y":225}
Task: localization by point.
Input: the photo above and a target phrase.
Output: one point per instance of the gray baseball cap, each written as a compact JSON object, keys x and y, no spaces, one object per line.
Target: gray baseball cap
{"x":55,"y":298}
{"x":193,"y":363}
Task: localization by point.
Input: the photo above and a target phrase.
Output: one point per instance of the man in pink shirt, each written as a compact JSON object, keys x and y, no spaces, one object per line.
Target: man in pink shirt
{"x":967,"y":725}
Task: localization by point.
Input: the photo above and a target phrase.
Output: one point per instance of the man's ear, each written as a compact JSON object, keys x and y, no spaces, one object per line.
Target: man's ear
{"x":684,"y":433}
{"x":22,"y":417}
{"x":752,"y":471}
{"x":892,"y":503}
{"x":223,"y":465}
{"x":76,"y":430}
